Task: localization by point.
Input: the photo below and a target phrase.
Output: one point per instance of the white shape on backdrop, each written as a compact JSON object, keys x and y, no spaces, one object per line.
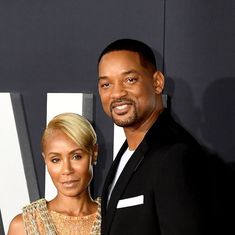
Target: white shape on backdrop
{"x":14,"y":192}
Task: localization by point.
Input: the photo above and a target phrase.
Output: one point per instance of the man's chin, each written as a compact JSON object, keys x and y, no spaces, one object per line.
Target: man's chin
{"x":124,"y":120}
{"x":121,"y":123}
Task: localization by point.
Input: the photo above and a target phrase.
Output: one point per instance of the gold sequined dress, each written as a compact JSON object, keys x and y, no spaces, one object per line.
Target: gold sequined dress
{"x":38,"y":220}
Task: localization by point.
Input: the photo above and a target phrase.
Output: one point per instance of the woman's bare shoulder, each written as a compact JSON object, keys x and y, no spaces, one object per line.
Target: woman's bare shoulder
{"x":16,"y":226}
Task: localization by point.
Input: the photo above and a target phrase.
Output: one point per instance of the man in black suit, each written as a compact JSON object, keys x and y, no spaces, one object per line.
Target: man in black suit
{"x":161,"y":181}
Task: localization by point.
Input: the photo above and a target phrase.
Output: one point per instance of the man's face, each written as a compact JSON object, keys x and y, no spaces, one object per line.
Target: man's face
{"x":126,"y":88}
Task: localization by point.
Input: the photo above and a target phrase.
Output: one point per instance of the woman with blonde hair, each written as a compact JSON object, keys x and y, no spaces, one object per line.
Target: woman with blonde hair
{"x":69,"y":149}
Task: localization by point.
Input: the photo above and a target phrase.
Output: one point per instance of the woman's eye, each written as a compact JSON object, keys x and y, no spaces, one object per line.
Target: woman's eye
{"x":77,"y":157}
{"x":55,"y":160}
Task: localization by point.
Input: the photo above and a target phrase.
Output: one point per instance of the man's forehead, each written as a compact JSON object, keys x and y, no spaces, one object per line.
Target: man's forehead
{"x":121,"y":58}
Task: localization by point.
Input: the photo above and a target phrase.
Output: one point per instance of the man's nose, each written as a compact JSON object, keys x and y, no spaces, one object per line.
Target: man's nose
{"x":118,"y":91}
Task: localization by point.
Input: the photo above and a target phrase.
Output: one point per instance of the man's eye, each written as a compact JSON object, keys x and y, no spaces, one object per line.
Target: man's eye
{"x":131,"y":80}
{"x":105,"y":85}
{"x":77,"y":157}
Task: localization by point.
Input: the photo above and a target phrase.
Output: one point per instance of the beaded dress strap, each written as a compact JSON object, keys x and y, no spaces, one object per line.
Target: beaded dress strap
{"x":34,"y":211}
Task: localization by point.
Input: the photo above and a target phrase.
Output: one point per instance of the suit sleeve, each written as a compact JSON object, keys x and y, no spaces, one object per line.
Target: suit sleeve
{"x":183,"y":192}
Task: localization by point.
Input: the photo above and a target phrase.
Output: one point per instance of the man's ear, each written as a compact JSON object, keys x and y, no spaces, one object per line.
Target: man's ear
{"x":95,"y":154}
{"x":159,"y":82}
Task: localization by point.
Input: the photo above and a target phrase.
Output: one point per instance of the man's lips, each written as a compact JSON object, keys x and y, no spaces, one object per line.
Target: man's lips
{"x":120,"y":108}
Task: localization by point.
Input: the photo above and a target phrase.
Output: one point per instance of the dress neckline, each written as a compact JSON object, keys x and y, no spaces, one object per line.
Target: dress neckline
{"x":72,"y":217}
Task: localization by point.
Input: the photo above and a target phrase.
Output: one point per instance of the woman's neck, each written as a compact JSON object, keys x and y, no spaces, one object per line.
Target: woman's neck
{"x":73,"y":206}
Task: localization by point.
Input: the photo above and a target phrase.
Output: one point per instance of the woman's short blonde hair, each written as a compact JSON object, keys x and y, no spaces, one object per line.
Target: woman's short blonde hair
{"x":75,"y":126}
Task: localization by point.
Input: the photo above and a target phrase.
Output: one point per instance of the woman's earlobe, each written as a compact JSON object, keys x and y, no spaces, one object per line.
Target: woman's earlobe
{"x":95,"y":155}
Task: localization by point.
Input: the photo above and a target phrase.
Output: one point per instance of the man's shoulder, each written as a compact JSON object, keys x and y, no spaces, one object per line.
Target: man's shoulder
{"x":168,"y":132}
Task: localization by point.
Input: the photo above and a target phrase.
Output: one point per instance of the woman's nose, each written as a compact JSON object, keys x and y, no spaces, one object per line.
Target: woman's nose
{"x":67,"y":168}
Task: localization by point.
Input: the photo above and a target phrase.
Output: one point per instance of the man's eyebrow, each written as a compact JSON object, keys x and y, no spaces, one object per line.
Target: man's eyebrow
{"x":102,"y":77}
{"x":123,"y":73}
{"x":129,"y":72}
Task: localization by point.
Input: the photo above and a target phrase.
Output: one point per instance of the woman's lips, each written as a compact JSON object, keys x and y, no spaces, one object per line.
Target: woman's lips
{"x":70,"y":183}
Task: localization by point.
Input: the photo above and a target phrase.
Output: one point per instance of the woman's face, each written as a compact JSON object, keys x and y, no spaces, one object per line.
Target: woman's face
{"x":69,"y":166}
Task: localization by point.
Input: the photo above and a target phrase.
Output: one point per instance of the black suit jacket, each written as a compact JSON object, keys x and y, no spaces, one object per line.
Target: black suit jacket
{"x":167,"y":187}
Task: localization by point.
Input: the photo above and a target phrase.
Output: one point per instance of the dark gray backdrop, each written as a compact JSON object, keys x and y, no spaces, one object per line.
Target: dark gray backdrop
{"x":53,"y":45}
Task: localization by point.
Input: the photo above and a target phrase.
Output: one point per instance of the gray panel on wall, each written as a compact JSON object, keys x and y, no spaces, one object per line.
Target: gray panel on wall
{"x":88,"y":107}
{"x":1,"y":225}
{"x":25,"y":147}
{"x":199,"y":65}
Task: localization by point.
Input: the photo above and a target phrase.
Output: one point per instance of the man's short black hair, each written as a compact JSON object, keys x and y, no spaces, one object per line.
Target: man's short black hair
{"x":145,"y":52}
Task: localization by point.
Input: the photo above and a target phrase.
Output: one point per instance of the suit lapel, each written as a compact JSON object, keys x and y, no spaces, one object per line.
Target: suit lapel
{"x":110,"y":177}
{"x":123,"y":180}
